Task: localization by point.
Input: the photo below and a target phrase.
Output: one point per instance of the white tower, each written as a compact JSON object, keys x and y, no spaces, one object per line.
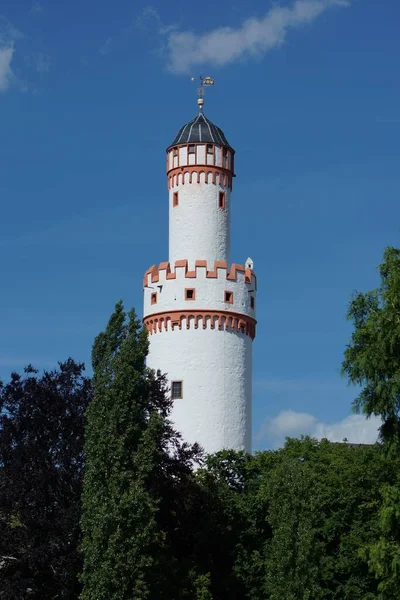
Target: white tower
{"x":198,"y":309}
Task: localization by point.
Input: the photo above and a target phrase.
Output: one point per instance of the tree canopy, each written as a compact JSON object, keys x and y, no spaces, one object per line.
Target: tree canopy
{"x":299,"y":518}
{"x":372,"y":360}
{"x":138,"y":476}
{"x":41,"y":460}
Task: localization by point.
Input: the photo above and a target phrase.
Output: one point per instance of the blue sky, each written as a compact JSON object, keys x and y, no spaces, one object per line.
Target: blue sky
{"x":307,"y":92}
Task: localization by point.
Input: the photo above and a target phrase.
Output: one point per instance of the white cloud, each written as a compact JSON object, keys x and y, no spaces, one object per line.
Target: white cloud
{"x":288,"y":423}
{"x":355,"y":428}
{"x":8,"y":36}
{"x":6,"y":74}
{"x":8,"y":33}
{"x":255,"y":37}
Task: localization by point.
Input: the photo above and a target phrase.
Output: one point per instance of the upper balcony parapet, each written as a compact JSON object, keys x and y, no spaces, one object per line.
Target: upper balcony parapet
{"x":164,"y":272}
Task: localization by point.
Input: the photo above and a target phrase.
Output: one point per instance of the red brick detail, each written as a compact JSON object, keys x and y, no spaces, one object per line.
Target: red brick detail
{"x":181,"y":263}
{"x":219,"y":264}
{"x":218,"y":174}
{"x":231,"y":321}
{"x":154,"y":271}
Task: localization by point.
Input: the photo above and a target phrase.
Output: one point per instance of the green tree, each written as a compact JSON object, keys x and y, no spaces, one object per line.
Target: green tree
{"x":295,"y":519}
{"x":239,"y":507}
{"x":294,"y":552}
{"x":347,"y":482}
{"x":138,"y":483}
{"x":41,"y":461}
{"x":372,"y":361}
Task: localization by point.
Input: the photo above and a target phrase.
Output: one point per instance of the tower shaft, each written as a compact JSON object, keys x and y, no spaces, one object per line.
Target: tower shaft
{"x":198,"y":309}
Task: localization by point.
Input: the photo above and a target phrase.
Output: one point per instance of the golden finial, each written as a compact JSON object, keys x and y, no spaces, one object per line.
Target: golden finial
{"x":204,"y":82}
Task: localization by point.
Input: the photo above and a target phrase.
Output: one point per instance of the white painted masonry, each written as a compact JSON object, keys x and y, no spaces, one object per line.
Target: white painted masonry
{"x":209,"y":292}
{"x":198,"y":227}
{"x":198,"y":309}
{"x":215,"y":367}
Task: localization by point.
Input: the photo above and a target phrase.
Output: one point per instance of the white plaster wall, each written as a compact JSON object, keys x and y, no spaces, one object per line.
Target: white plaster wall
{"x":198,"y":228}
{"x":215,"y":368}
{"x":201,"y":154}
{"x":218,"y":155}
{"x":183,"y":155}
{"x":209,"y":293}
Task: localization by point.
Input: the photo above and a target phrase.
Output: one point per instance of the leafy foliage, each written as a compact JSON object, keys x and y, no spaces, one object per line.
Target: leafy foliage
{"x":299,"y":517}
{"x":372,"y":360}
{"x":41,"y":459}
{"x":138,"y":481}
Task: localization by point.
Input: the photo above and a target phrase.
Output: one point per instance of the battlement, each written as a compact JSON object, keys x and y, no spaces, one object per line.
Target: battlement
{"x":221,"y":271}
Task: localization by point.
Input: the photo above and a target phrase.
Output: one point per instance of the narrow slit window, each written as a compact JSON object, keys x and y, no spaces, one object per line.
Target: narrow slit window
{"x":176,"y":390}
{"x":190,"y":294}
{"x":154,"y":298}
{"x":229,"y":297}
{"x":209,"y":148}
{"x":175,"y":200}
{"x":175,"y":151}
{"x":252,"y":301}
{"x":221,"y":200}
{"x":192,"y":149}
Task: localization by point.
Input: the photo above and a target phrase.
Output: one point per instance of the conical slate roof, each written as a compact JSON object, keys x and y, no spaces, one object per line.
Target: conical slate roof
{"x":200,"y":129}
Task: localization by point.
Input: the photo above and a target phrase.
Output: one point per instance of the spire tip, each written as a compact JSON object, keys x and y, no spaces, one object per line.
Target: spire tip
{"x":204,"y":81}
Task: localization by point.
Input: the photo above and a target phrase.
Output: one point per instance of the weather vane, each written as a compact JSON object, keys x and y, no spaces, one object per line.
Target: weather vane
{"x":204,"y":82}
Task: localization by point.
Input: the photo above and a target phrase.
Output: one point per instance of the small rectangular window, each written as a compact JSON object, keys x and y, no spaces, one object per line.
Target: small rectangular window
{"x":229,"y":297}
{"x":192,"y":149}
{"x":252,"y":301}
{"x":190,"y":294}
{"x":176,"y":390}
{"x":209,"y":148}
{"x":175,"y":151}
{"x":154,"y":298}
{"x":225,"y":152}
{"x":221,"y":200}
{"x":175,"y":200}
